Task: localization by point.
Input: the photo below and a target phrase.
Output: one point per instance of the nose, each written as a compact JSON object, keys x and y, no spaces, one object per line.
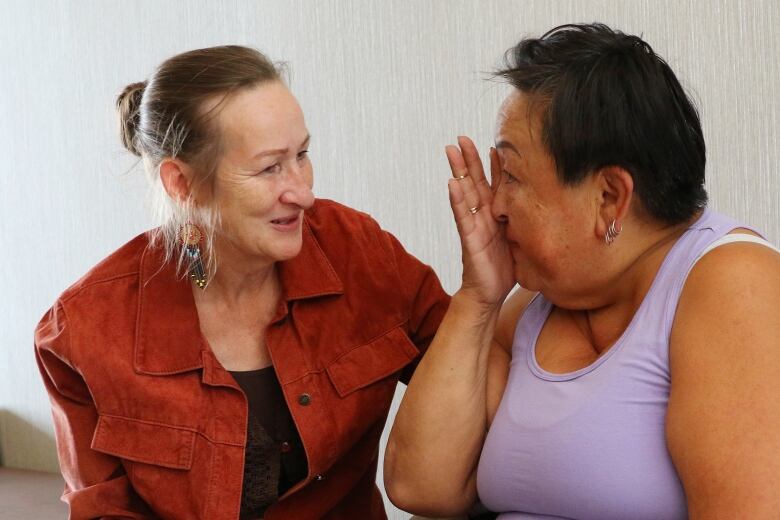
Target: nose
{"x":297,"y":189}
{"x":498,"y":207}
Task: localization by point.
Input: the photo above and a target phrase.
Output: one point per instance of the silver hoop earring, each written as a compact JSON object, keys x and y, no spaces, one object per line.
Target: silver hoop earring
{"x":612,"y":233}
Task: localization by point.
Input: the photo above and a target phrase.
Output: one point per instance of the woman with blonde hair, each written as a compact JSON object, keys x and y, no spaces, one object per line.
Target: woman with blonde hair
{"x":240,"y":360}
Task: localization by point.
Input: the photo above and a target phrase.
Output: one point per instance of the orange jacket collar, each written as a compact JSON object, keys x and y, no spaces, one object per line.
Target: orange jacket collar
{"x":177,"y":344}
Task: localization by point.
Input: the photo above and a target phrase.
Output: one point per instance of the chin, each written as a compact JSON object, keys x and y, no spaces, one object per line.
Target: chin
{"x":286,"y":253}
{"x":524,"y":280}
{"x":286,"y":256}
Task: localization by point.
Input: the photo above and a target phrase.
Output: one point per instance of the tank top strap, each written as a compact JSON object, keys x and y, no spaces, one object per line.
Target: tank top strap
{"x":664,"y":295}
{"x":529,"y":326}
{"x":657,"y":311}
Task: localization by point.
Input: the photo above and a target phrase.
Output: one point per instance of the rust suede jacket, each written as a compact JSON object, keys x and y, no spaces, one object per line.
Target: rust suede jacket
{"x":150,"y":425}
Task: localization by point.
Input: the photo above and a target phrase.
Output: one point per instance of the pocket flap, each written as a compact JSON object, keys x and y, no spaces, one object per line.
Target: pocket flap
{"x":143,"y":441}
{"x":372,"y":361}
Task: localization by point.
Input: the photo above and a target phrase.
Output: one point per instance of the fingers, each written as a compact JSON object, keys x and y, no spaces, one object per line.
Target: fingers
{"x":463,"y":178}
{"x":460,"y":209}
{"x":471,"y":157}
{"x":475,"y":169}
{"x":457,"y":163}
{"x":495,"y":169}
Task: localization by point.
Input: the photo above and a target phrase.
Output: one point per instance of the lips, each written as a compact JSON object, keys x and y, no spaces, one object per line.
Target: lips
{"x":285,"y":220}
{"x":287,"y":223}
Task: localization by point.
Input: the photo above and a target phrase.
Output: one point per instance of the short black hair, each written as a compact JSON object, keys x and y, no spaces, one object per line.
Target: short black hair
{"x":607,"y":99}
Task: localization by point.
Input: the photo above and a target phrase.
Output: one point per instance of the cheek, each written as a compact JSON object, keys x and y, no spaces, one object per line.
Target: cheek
{"x":308,"y":174}
{"x":543,"y":238}
{"x":528,"y":223}
{"x":233,"y":212}
{"x":239,"y":211}
{"x":309,"y":171}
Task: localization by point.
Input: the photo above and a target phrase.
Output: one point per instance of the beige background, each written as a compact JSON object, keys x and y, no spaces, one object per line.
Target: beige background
{"x":385,"y":84}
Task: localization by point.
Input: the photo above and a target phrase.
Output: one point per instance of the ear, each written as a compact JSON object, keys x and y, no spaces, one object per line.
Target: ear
{"x":176,"y":177}
{"x":616,"y":190}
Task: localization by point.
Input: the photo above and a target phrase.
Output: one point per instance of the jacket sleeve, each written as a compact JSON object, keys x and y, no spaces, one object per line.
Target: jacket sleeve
{"x":96,"y":485}
{"x":426,"y":299}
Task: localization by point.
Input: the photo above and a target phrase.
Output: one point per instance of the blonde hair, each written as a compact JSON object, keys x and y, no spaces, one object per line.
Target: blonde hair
{"x":172,"y":116}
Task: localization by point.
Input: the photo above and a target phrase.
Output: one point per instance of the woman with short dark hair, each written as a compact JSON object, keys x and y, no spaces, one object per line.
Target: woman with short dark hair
{"x":636,"y":372}
{"x":238,"y":361}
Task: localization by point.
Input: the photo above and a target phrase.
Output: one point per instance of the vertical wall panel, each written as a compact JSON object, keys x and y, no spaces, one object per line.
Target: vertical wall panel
{"x":385,"y":84}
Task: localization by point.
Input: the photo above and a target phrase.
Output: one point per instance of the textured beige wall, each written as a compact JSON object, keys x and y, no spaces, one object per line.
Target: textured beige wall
{"x":385,"y":85}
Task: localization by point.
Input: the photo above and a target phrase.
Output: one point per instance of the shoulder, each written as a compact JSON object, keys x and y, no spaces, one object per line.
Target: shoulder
{"x":732,"y":276}
{"x":729,"y":310}
{"x":51,"y":331}
{"x":732,"y":289}
{"x":122,"y":263}
{"x":511,"y":312}
{"x":328,"y":216}
{"x":725,"y":362}
{"x":341,"y":230}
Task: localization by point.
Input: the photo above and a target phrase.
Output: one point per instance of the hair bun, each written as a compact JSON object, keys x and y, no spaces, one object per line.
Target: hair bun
{"x":128,"y":104}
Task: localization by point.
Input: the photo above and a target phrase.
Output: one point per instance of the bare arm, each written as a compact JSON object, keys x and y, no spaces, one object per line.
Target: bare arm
{"x":438,"y":432}
{"x":434,"y":445}
{"x":501,"y":350}
{"x":723,"y":423}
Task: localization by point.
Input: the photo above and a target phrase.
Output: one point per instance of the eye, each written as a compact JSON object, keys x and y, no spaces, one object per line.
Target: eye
{"x":303,"y":155}
{"x":508,"y":177}
{"x":274,"y":168}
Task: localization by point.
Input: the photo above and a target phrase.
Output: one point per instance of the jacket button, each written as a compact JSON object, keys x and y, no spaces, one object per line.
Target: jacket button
{"x":319,"y":477}
{"x":285,"y":447}
{"x":304,"y":399}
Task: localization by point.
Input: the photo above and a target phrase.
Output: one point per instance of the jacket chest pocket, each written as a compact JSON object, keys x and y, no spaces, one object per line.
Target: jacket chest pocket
{"x":364,"y":379}
{"x":159,"y":460}
{"x":363,"y":366}
{"x":146,"y":442}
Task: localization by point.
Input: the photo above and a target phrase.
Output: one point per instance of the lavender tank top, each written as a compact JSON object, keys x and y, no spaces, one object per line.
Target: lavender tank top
{"x":591,"y":444}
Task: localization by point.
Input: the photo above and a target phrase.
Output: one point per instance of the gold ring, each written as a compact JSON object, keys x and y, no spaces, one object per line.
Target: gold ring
{"x":460,"y":177}
{"x":473,"y":210}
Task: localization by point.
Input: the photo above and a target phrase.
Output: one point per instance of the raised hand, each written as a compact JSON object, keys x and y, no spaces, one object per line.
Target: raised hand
{"x":487,"y":263}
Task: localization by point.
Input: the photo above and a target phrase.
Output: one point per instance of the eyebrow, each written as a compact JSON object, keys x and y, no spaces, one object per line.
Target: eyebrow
{"x":280,"y":151}
{"x":507,"y":144}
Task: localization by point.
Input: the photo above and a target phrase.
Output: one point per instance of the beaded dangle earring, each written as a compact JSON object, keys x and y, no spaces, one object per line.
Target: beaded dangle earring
{"x":191,"y":237}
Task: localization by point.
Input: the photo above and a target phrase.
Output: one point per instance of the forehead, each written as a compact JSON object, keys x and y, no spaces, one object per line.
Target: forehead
{"x":518,"y":120}
{"x":267,"y":112}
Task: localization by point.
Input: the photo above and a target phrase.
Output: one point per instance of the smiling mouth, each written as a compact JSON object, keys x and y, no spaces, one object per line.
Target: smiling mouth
{"x":285,"y":221}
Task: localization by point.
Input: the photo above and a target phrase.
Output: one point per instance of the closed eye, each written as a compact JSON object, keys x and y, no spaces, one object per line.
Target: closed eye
{"x":303,"y":154}
{"x":508,"y":177}
{"x":274,"y":168}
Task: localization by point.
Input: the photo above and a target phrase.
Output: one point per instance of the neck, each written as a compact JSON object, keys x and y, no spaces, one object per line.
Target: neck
{"x":640,"y":255}
{"x":637,"y":261}
{"x":235,"y":284}
{"x":239,"y":277}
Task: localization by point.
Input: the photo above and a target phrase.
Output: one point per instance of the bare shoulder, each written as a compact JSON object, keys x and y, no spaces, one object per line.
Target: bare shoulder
{"x":723,"y":420}
{"x":511,"y":311}
{"x":731,"y":294}
{"x":501,"y":349}
{"x":730,"y":278}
